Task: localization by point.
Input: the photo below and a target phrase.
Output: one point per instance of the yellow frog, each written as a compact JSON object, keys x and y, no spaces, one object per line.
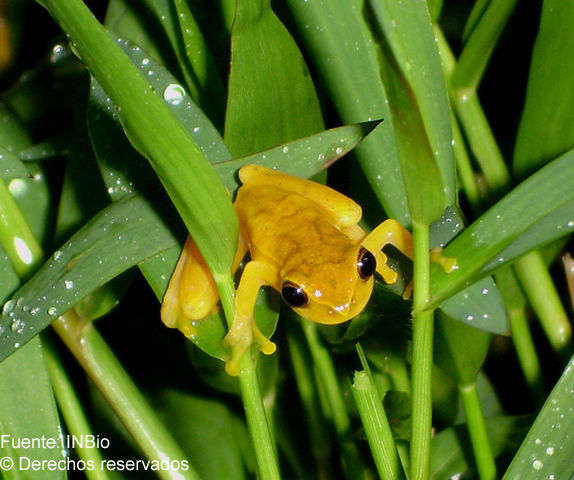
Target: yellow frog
{"x":304,"y":241}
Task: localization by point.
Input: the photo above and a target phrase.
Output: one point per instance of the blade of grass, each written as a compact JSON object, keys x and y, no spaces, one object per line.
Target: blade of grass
{"x":460,"y":352}
{"x":418,"y":60}
{"x":375,"y":422}
{"x":546,"y":129}
{"x":545,"y":452}
{"x":121,"y":236}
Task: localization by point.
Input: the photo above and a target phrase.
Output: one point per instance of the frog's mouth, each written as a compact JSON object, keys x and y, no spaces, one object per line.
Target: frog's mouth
{"x":320,"y":311}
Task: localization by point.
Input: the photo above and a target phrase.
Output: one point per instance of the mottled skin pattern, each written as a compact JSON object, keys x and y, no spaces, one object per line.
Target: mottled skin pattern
{"x":295,"y":236}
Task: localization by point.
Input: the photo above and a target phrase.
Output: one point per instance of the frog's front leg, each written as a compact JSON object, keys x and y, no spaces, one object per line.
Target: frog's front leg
{"x":390,"y":232}
{"x":244,"y":330}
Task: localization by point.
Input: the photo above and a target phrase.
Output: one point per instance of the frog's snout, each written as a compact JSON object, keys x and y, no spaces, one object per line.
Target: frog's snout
{"x":341,"y":309}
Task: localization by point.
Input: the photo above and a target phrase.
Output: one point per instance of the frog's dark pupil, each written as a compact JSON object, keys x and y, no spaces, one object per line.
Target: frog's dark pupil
{"x":366,"y":263}
{"x":293,"y":295}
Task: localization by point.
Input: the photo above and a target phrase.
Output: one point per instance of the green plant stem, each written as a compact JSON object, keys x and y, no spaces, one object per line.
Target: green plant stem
{"x":515,"y":304}
{"x":477,"y":429}
{"x":126,"y":400}
{"x":422,"y":356}
{"x":17,"y":239}
{"x":307,"y":387}
{"x":480,"y":44}
{"x":376,"y":425}
{"x":540,"y":290}
{"x":71,"y":409}
{"x":257,"y":421}
{"x":464,"y":167}
{"x":323,"y":364}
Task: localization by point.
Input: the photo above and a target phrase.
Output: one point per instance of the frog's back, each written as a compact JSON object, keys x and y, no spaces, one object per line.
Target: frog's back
{"x":339,"y":208}
{"x":285,"y":227}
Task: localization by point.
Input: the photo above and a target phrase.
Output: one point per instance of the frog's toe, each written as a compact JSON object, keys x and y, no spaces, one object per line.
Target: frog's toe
{"x":447,"y":263}
{"x":188,"y":330}
{"x":267,"y":346}
{"x":239,"y":340}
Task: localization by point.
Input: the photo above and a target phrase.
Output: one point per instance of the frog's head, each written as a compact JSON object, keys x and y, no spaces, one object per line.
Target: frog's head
{"x":331,"y":292}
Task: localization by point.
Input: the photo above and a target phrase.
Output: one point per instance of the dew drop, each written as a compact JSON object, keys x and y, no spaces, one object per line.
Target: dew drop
{"x":537,"y":464}
{"x":8,"y":307}
{"x":17,"y":187}
{"x":58,"y":51}
{"x":550,"y":451}
{"x":17,"y":326}
{"x":285,"y":149}
{"x":173,"y":94}
{"x":339,"y":150}
{"x":52,"y":311}
{"x":69,"y":284}
{"x":23,"y":250}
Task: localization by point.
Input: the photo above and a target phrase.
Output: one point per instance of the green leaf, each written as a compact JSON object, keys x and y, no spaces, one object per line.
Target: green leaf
{"x":479,"y":306}
{"x":546,"y":129}
{"x":420,"y":172}
{"x":451,"y":450}
{"x":304,"y":157}
{"x":11,"y":166}
{"x":459,"y":349}
{"x":185,"y":44}
{"x":278,"y":103}
{"x":211,"y":435}
{"x":418,"y":60}
{"x":341,"y":44}
{"x":118,"y":238}
{"x":28,"y":411}
{"x":536,"y":212}
{"x":27,"y":408}
{"x":546,"y":452}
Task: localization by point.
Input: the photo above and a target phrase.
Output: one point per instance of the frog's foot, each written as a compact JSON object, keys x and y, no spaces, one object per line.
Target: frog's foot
{"x":241,"y":336}
{"x":447,"y":263}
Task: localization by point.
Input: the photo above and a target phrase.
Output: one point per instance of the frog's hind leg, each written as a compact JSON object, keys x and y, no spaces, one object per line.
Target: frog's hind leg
{"x":244,"y":331}
{"x":191,"y":294}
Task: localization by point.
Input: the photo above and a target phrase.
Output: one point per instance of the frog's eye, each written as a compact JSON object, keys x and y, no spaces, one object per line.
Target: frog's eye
{"x":366,"y":263}
{"x":293,"y":295}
